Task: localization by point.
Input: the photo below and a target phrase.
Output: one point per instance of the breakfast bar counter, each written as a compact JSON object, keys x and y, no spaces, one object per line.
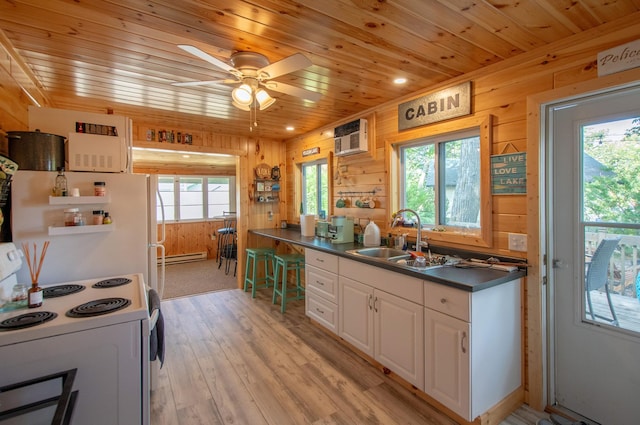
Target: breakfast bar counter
{"x":466,"y":278}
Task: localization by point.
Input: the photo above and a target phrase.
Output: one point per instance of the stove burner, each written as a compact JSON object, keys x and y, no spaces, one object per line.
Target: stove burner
{"x":110,"y":283}
{"x":98,"y":307}
{"x":62,"y":290}
{"x":26,"y":320}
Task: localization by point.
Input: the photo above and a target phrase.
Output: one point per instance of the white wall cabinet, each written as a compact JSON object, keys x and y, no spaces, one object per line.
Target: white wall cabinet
{"x":472,"y":346}
{"x":382,"y":324}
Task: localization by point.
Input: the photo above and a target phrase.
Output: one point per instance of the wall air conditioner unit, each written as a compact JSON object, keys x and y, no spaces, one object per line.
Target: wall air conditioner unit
{"x":351,"y":138}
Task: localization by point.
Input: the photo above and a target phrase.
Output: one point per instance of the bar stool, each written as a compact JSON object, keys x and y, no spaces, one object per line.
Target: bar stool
{"x":258,"y":256}
{"x":227,"y":248}
{"x":284,"y":263}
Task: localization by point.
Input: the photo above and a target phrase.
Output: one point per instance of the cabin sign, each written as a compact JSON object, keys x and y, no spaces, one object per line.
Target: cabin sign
{"x":439,"y":106}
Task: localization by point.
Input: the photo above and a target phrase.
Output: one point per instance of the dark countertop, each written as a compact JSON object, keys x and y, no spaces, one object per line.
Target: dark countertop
{"x":468,"y":279}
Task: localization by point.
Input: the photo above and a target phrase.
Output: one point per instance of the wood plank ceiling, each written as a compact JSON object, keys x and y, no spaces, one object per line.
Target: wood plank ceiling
{"x":123,"y":54}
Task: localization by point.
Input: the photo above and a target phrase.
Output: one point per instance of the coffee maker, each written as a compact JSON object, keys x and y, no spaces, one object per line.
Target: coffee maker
{"x":341,"y":229}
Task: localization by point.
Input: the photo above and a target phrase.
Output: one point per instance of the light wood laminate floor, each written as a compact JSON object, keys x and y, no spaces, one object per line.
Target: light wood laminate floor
{"x":231,"y":359}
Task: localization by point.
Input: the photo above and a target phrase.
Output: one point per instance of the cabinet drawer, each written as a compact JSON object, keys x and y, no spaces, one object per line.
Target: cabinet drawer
{"x":448,"y":300}
{"x":322,"y":311}
{"x":321,"y":260}
{"x":323,"y":282}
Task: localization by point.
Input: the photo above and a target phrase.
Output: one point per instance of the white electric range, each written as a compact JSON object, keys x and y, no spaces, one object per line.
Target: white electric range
{"x":102,"y":331}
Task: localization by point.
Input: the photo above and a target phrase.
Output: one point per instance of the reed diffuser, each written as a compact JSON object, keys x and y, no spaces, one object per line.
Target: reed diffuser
{"x":35,"y":292}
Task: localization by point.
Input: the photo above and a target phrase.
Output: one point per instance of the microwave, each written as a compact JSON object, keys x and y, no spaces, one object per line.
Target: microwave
{"x":97,"y":153}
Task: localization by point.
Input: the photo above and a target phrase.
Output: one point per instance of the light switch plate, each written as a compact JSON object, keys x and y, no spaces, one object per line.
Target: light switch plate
{"x":517,"y":242}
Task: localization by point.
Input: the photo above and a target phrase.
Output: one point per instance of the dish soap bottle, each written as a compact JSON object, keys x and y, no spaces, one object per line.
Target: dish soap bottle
{"x":60,"y":188}
{"x":371,"y":235}
{"x":106,"y":219}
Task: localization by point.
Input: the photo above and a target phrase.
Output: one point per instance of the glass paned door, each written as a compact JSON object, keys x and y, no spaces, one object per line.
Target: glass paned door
{"x":592,"y":223}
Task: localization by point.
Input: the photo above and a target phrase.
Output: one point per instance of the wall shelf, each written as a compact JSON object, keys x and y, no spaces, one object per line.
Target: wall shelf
{"x":78,"y":230}
{"x":78,"y":200}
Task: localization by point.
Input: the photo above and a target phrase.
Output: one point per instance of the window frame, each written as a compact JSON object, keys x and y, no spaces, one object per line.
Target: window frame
{"x":205,"y":195}
{"x":482,"y":236}
{"x":299,"y":181}
{"x":318,"y":163}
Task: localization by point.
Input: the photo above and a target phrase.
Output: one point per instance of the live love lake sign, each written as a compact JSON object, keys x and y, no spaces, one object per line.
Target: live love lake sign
{"x":509,"y":174}
{"x":439,"y":106}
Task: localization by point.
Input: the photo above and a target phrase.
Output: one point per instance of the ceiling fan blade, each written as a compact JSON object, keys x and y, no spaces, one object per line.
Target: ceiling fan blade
{"x":207,"y":57}
{"x":289,"y":64}
{"x":204,"y":83}
{"x":293,"y":91}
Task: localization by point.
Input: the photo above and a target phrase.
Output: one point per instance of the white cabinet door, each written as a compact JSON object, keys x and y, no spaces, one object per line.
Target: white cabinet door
{"x":399,"y":336}
{"x":355,"y":301}
{"x":447,"y":361}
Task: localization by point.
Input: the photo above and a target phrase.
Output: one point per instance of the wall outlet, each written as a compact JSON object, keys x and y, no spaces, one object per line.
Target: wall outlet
{"x":517,"y":242}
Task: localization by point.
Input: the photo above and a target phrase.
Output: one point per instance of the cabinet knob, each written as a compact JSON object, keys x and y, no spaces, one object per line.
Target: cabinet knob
{"x":462,"y":340}
{"x":319,"y":311}
{"x":443,"y":300}
{"x":319,"y":260}
{"x":320,"y":282}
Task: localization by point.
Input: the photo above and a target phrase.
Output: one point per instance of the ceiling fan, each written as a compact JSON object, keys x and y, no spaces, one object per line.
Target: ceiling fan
{"x":252,"y":71}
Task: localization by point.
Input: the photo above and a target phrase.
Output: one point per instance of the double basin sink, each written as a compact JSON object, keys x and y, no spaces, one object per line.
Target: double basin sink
{"x":396,"y":257}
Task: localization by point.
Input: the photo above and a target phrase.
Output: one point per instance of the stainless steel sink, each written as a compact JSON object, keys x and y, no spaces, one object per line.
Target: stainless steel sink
{"x":379,"y":252}
{"x":408,"y":262}
{"x":395,"y":257}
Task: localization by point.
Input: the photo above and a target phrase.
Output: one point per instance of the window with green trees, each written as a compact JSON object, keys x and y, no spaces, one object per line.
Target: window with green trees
{"x":315,"y":187}
{"x":611,"y":171}
{"x":440,"y":179}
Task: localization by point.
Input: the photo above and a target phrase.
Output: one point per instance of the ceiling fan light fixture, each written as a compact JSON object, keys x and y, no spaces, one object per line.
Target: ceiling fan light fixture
{"x":243,"y":95}
{"x":263,"y":99}
{"x":240,"y":106}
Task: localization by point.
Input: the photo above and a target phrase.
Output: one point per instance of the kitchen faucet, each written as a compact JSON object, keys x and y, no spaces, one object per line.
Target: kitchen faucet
{"x":419,"y":242}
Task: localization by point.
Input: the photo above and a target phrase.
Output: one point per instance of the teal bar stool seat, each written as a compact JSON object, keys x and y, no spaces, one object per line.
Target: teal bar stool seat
{"x":283,"y":264}
{"x":255,"y":257}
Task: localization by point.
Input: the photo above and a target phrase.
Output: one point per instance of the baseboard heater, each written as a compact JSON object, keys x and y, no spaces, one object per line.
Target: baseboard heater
{"x":184,"y":258}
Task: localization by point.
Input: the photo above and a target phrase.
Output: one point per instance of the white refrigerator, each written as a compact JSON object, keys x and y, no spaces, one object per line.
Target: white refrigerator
{"x":129,"y":245}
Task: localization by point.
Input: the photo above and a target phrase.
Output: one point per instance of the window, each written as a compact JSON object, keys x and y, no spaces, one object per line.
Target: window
{"x":315,"y":188}
{"x":441,"y":179}
{"x":195,"y":197}
{"x":445,"y":178}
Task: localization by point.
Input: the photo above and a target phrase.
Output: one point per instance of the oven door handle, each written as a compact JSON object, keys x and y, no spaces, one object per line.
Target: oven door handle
{"x":153,"y":319}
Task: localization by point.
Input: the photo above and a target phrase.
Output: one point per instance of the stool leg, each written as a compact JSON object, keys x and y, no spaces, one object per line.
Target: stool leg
{"x":268,"y":269}
{"x":247,"y":280}
{"x":298,"y":281}
{"x":283,"y":297}
{"x":275,"y":282}
{"x":256,"y":260}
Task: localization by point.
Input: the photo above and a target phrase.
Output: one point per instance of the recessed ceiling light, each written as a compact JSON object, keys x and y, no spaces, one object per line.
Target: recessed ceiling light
{"x":399,"y":80}
{"x":290,"y":128}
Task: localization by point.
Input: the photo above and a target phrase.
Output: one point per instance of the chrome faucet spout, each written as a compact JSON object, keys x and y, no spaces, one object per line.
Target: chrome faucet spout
{"x":418,"y":232}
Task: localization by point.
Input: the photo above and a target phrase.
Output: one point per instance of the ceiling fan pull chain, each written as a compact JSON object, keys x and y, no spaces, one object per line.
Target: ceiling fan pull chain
{"x":255,"y":113}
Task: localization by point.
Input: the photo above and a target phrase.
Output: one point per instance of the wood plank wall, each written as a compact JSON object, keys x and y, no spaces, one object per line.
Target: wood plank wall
{"x":501,"y":91}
